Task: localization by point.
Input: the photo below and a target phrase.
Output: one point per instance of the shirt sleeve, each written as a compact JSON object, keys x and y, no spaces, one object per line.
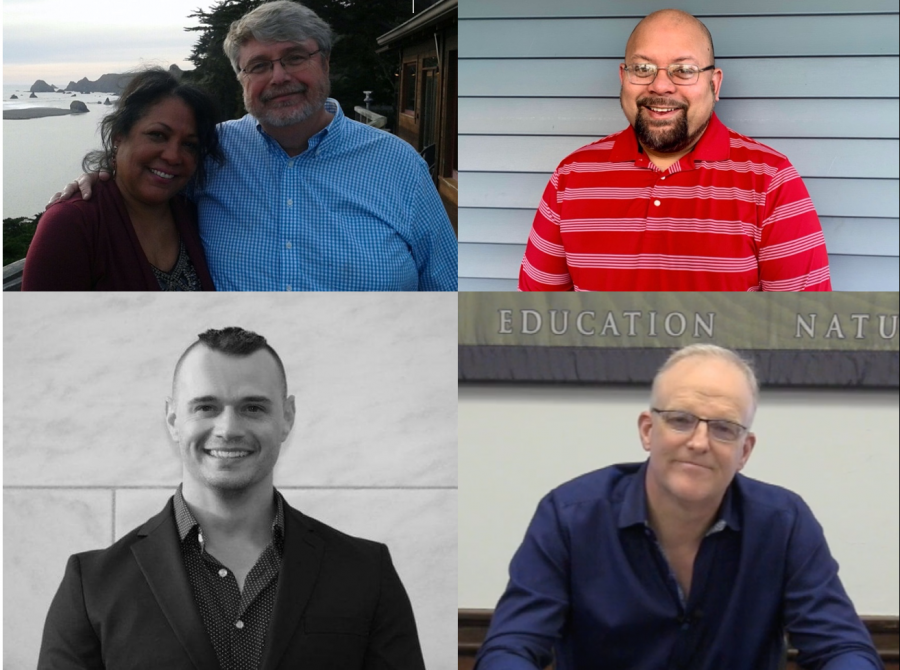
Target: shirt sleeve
{"x":436,"y":250}
{"x":393,"y":639}
{"x":69,"y":641}
{"x":544,"y":265}
{"x":59,"y":256}
{"x":820,"y":619}
{"x":792,"y":254}
{"x":530,"y":615}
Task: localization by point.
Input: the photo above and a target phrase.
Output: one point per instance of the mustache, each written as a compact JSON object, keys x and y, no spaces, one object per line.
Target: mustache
{"x":285,"y":90}
{"x":660,"y":102}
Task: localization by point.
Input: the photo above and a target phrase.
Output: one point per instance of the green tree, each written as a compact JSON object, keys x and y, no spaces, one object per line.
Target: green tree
{"x":355,"y":65}
{"x":17,"y":234}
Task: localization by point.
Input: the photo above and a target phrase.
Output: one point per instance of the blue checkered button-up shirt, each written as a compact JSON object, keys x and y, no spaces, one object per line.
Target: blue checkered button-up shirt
{"x":356,"y":211}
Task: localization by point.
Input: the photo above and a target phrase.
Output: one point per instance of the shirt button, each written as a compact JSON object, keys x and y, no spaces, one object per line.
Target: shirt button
{"x":223,"y":572}
{"x":288,"y":245}
{"x":290,"y":202}
{"x":290,"y":163}
{"x":239,"y":625}
{"x":662,"y":178}
{"x":288,"y":288}
{"x":656,"y":202}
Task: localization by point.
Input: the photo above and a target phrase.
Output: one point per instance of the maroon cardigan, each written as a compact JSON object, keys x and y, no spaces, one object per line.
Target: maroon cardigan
{"x":90,"y":245}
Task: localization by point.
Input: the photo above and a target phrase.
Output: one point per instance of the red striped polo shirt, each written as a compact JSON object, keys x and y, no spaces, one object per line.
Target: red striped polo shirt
{"x":731,"y":215}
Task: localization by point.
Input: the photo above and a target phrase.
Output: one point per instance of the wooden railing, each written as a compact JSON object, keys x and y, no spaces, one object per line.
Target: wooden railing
{"x":369,"y":117}
{"x":12,"y":276}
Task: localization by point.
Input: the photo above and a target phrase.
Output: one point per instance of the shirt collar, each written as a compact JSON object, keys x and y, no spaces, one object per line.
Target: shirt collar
{"x":333,"y":128}
{"x":186,"y":522}
{"x":633,"y":510}
{"x":714,"y":145}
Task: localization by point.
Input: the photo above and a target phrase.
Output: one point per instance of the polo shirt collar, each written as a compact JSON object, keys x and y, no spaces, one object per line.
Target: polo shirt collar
{"x":714,"y":145}
{"x":633,"y":510}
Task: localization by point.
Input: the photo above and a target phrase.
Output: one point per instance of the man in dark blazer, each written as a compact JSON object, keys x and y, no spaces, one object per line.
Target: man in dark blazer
{"x":228,"y":575}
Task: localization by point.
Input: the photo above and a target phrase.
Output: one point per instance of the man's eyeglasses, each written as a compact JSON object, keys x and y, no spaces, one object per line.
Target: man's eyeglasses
{"x":293,"y":62}
{"x":720,"y":430}
{"x":682,"y":74}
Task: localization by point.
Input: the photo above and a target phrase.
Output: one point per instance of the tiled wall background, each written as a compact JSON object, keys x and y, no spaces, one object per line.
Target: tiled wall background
{"x":87,"y":457}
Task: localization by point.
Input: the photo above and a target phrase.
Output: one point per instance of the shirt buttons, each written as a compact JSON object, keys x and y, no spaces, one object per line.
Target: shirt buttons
{"x":290,"y":202}
{"x":239,"y":625}
{"x":288,"y":245}
{"x":656,"y":202}
{"x":288,"y":288}
{"x":662,"y":178}
{"x":223,"y":572}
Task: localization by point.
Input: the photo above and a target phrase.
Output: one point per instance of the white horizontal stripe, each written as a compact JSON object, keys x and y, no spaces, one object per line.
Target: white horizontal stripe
{"x":544,"y":277}
{"x":742,"y":167}
{"x":786,"y":175}
{"x":547,"y":247}
{"x":661,"y":224}
{"x":790,"y":210}
{"x":593,"y":167}
{"x":662,"y":262}
{"x":792,"y":247}
{"x":798,"y":283}
{"x":547,"y":213}
{"x":663,"y":192}
{"x":746,"y":143}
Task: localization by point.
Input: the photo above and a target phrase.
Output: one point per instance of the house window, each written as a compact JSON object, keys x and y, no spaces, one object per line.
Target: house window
{"x":408,"y":88}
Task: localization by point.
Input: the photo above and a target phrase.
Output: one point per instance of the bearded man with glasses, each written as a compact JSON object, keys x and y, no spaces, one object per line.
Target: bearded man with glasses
{"x":679,"y":561}
{"x":677,"y":201}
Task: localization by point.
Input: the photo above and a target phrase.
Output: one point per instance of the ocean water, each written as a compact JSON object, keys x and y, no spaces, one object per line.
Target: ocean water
{"x":41,"y":155}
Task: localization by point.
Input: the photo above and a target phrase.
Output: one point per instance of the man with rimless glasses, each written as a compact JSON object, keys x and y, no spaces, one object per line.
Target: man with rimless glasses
{"x":679,"y":561}
{"x":307,"y":199}
{"x":676,"y":201}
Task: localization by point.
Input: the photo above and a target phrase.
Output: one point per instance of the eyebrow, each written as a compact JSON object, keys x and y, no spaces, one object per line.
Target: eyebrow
{"x":261,"y":399}
{"x":674,"y":60}
{"x":169,"y":128}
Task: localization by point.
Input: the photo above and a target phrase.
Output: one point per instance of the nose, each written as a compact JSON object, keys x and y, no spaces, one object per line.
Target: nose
{"x":699,"y":440}
{"x":228,"y":424}
{"x":172,"y":151}
{"x":279,"y":74}
{"x":661,"y":82}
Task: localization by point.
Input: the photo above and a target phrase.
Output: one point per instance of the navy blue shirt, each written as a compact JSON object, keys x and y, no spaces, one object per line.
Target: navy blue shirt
{"x":591,"y":584}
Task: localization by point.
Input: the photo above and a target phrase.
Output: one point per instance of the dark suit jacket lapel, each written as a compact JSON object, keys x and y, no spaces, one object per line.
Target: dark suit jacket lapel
{"x":159,"y":557}
{"x":303,"y":552}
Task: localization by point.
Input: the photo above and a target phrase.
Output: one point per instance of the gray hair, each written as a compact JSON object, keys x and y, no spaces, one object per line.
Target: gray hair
{"x":710,"y":351}
{"x":278,"y":21}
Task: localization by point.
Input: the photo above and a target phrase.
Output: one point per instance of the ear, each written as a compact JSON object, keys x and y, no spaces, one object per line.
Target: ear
{"x":717,"y":82}
{"x":746,"y":450}
{"x":622,"y":73}
{"x":645,"y":427}
{"x":170,"y":419}
{"x":290,"y":411}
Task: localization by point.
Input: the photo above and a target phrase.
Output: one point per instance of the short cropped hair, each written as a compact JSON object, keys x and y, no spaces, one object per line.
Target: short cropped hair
{"x":709,"y":351}
{"x":277,"y":21}
{"x":146,"y":89}
{"x":232,"y":341}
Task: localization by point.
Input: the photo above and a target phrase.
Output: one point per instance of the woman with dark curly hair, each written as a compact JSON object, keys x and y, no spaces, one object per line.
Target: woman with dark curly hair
{"x":138,"y":233}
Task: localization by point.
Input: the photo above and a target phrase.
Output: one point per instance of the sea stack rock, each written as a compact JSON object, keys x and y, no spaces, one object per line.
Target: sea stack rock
{"x":107,"y":102}
{"x":32,"y":95}
{"x":78,"y":106}
{"x":13,"y":97}
{"x":41,"y":86}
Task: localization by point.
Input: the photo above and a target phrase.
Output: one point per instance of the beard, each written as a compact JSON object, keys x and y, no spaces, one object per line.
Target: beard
{"x":666,"y":136}
{"x":289,"y":112}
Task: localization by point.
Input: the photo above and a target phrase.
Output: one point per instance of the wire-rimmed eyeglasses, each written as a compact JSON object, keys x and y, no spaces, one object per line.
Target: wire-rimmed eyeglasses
{"x":292,"y":62}
{"x":720,"y":430}
{"x":682,"y":74}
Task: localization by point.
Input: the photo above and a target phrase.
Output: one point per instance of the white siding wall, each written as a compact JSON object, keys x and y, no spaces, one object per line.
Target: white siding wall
{"x":816,"y":80}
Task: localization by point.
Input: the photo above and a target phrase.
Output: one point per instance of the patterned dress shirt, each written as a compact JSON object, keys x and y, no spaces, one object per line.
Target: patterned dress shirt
{"x":236,"y":621}
{"x":356,"y":211}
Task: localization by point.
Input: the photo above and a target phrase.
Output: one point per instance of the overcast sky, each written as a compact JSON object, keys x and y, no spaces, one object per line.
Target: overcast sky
{"x":61,"y":41}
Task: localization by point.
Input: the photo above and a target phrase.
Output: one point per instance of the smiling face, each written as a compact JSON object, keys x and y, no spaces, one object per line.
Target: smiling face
{"x":229,"y":416}
{"x":689,"y":468}
{"x":279,"y":98}
{"x":159,"y":156}
{"x":663,"y":39}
